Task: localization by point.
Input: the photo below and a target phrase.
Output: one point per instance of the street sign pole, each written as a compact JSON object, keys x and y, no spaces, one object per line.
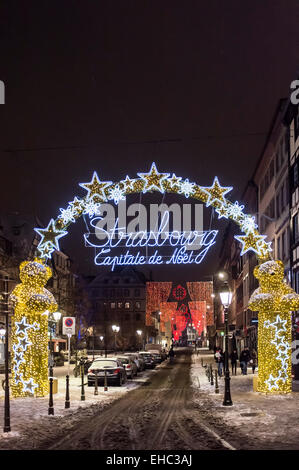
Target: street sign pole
{"x":67,"y":393}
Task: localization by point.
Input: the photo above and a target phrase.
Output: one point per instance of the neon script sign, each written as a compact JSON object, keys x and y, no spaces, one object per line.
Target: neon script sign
{"x":142,"y":247}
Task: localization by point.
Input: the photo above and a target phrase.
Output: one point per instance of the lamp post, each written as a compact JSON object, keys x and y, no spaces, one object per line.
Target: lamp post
{"x":226,"y":297}
{"x":52,"y":319}
{"x":101,"y":339}
{"x":115,"y":329}
{"x":139,"y":333}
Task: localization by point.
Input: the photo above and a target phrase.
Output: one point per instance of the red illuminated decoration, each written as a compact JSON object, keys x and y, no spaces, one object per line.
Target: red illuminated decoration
{"x":180,"y":304}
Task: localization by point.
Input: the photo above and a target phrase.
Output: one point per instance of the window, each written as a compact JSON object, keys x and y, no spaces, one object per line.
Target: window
{"x":138,"y":305}
{"x":127,"y":293}
{"x":295,"y":228}
{"x":283,"y":243}
{"x":127,"y":304}
{"x":138,"y":316}
{"x":137,"y":292}
{"x":112,"y":293}
{"x":112,"y":304}
{"x":119,"y":305}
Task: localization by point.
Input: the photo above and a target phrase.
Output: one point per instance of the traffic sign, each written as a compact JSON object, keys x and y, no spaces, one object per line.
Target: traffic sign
{"x":69,"y":326}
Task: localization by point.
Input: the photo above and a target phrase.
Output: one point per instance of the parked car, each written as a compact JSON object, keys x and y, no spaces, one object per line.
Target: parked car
{"x":138,"y":361}
{"x":116,"y":373}
{"x":156,"y":356}
{"x":148,"y":359}
{"x":129,"y":364}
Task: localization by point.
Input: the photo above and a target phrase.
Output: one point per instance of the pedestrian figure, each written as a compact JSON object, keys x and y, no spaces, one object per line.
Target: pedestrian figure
{"x":234,"y":359}
{"x":219,"y":358}
{"x":244,"y":359}
{"x":171,"y":355}
{"x":253,"y":360}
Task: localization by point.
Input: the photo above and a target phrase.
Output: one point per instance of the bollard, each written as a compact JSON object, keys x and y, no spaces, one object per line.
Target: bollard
{"x":82,"y":382}
{"x":211,"y":374}
{"x":105,"y":383}
{"x":67,"y":393}
{"x":96,"y":384}
{"x":216,"y":382}
{"x":201,"y":362}
{"x":51,"y":407}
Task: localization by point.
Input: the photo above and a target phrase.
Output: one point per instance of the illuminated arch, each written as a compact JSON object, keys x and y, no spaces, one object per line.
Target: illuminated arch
{"x":101,"y":191}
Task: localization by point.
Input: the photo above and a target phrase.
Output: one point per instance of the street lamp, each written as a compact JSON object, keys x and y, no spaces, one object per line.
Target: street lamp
{"x":115,"y":329}
{"x":226,"y":298}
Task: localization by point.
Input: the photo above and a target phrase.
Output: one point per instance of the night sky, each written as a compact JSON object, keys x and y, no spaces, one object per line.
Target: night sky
{"x":112,"y":86}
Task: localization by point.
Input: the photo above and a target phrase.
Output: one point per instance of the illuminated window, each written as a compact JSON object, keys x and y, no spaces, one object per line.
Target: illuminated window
{"x":127,"y":304}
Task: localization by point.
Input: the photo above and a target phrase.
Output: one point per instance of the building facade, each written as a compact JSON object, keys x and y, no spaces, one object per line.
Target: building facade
{"x":118,"y":298}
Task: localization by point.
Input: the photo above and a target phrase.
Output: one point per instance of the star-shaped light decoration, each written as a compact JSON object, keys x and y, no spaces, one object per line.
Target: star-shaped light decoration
{"x":272,"y":382}
{"x":96,"y":187}
{"x":186,"y":188}
{"x":77,"y":206}
{"x":29,"y":386}
{"x":50,"y":235}
{"x":128,"y":183}
{"x":222,"y":211}
{"x":216,"y":192}
{"x":265,"y":248}
{"x":46,"y":250}
{"x":279,"y":324}
{"x":116,"y":194}
{"x":251,"y":241}
{"x":19,"y":358}
{"x":23,"y":343}
{"x":22,"y":326}
{"x":174,"y":181}
{"x":153,"y":179}
{"x":18,"y":378}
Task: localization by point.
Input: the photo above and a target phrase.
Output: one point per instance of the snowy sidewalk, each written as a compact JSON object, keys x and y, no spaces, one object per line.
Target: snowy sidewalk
{"x":271,"y":419}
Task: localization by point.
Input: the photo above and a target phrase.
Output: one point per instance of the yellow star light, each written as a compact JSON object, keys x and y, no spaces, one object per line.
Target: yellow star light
{"x":50,"y":235}
{"x":153,"y":179}
{"x":95,"y":186}
{"x":174,"y":180}
{"x":128,"y":183}
{"x":215,"y":192}
{"x":251,"y":241}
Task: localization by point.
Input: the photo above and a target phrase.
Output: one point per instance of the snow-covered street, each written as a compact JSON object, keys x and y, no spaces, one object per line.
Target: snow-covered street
{"x":171,"y":407}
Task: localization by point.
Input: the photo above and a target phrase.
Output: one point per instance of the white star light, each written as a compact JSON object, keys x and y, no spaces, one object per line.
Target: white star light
{"x":67,"y":215}
{"x":29,"y":386}
{"x":22,"y":326}
{"x":128,"y":183}
{"x":153,"y":179}
{"x":186,"y":188}
{"x":235,"y":210}
{"x":222,"y":211}
{"x":272,"y":382}
{"x":117,"y":194}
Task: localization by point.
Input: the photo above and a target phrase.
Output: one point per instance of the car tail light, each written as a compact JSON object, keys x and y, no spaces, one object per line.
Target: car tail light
{"x":129,"y":366}
{"x":91,"y":371}
{"x":116,"y":371}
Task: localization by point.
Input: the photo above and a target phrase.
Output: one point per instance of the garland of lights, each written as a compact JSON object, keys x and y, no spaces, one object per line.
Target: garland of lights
{"x":213,"y":196}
